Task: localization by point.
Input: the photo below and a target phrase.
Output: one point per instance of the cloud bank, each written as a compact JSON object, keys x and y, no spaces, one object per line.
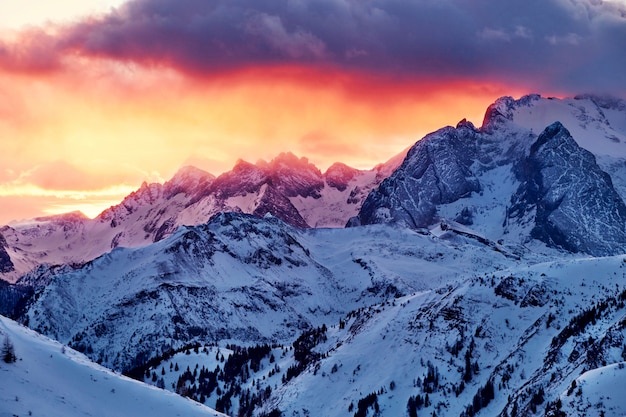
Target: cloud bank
{"x":556,"y":45}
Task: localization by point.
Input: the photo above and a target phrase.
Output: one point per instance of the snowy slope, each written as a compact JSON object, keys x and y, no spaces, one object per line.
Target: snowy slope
{"x":596,"y":391}
{"x":48,"y":378}
{"x":515,"y":328}
{"x":529,"y":331}
{"x":527,"y":327}
{"x":239,"y":279}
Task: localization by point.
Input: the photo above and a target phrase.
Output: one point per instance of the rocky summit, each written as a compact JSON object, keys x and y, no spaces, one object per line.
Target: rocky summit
{"x":574,"y":204}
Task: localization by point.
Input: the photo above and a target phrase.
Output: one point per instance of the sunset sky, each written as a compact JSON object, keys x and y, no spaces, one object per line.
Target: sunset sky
{"x":98,"y":96}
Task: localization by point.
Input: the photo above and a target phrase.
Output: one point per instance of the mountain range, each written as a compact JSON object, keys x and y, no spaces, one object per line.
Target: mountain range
{"x":480,"y":272}
{"x":287,"y":187}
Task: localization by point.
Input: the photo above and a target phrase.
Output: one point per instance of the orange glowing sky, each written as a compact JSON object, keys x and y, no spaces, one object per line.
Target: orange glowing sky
{"x":84,"y":142}
{"x":86,"y":134}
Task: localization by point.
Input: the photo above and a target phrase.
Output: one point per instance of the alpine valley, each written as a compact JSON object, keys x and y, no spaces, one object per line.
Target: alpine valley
{"x":481,"y":272}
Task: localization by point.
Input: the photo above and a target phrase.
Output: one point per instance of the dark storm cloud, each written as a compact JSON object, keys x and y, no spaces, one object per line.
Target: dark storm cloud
{"x":568,"y":45}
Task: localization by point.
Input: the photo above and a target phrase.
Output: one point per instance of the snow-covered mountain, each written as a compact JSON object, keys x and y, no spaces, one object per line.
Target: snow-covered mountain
{"x":238,"y":279}
{"x":510,"y":184}
{"x":463,"y":173}
{"x":446,"y":322}
{"x":484,"y":276}
{"x":45,"y":378}
{"x":288,"y":187}
{"x":524,"y":338}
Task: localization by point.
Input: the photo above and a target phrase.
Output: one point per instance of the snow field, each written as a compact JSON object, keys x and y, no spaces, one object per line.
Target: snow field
{"x":49,"y":377}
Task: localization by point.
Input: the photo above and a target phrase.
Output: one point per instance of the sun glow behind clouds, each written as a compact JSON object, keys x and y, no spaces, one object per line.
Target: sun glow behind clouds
{"x":102,"y":119}
{"x":89,"y":202}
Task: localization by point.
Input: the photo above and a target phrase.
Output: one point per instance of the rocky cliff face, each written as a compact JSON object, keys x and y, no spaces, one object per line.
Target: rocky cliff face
{"x":6,"y":265}
{"x":574,"y":203}
{"x":437,"y":170}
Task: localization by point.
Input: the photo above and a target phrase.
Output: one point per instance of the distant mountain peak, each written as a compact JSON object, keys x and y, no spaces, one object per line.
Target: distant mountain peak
{"x":243,"y":165}
{"x":290,"y":159}
{"x":288,"y":163}
{"x":191,"y":172}
{"x":339,"y":175}
{"x":189,"y":180}
{"x":73,"y":216}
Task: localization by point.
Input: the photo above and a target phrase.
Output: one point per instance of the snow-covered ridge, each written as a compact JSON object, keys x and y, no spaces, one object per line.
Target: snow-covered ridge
{"x":236,"y":278}
{"x":515,"y":339}
{"x":50,"y":378}
{"x":448,"y":179}
{"x":475,"y":318}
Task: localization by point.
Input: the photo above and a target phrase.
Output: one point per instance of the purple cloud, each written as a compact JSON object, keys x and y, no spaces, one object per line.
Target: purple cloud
{"x":555,"y":45}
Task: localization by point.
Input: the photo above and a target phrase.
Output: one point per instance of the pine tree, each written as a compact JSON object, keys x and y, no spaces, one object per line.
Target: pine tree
{"x":8,"y":351}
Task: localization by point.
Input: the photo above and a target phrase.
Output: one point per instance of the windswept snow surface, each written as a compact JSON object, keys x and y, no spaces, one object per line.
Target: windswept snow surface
{"x":51,"y":379}
{"x":596,"y":391}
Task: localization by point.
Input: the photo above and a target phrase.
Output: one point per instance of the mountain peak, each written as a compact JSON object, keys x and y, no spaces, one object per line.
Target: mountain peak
{"x":190,"y":172}
{"x":556,"y":131}
{"x":502,"y":110}
{"x":189,"y":180}
{"x":339,"y":175}
{"x":73,"y":216}
{"x":241,"y":165}
{"x":574,"y":204}
{"x":436,"y":170}
{"x":465,"y":124}
{"x":287,"y":160}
